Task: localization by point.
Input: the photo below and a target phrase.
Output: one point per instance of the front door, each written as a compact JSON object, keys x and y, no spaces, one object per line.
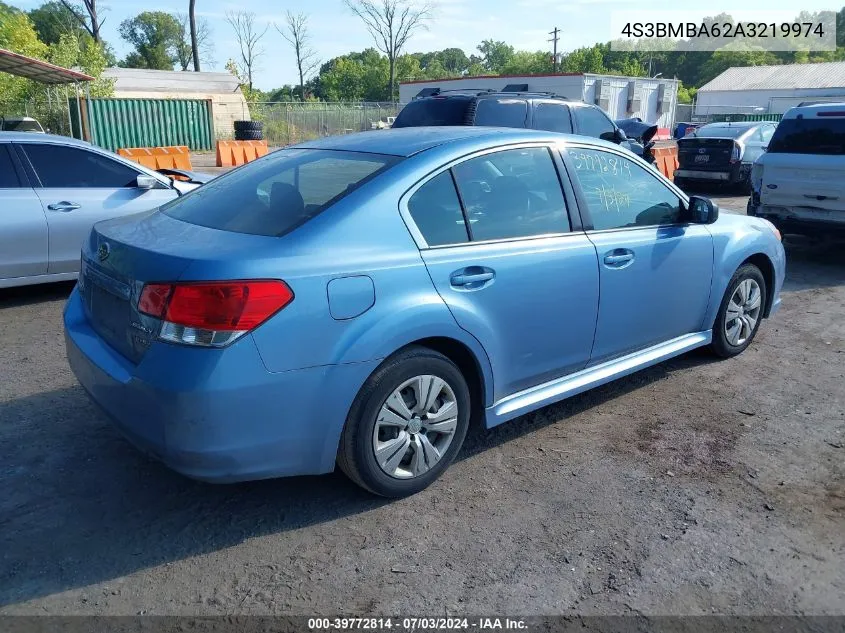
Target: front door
{"x":504,"y":260}
{"x":655,"y":268}
{"x":81,"y":187}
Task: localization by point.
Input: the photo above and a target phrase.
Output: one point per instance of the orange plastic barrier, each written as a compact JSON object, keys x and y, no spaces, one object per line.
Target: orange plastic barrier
{"x":667,"y":160}
{"x":174,"y":157}
{"x":234,"y":153}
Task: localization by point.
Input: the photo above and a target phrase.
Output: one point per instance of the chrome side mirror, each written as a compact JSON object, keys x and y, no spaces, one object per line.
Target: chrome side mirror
{"x":145,"y":182}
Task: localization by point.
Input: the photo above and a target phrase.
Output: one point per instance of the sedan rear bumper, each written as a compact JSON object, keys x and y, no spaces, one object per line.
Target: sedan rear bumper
{"x":216,"y":415}
{"x":736,"y":173}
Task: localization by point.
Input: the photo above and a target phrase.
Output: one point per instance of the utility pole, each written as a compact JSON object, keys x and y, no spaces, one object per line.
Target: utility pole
{"x":554,"y":39}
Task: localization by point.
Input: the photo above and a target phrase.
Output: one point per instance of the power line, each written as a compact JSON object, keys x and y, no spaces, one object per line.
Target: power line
{"x":554,"y":39}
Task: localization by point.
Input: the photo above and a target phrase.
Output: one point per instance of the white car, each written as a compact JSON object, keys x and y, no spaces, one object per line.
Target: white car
{"x":53,"y":189}
{"x":798,"y":184}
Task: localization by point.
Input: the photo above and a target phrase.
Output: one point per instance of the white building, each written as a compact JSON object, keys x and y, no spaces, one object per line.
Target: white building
{"x":770,"y":89}
{"x":652,"y":100}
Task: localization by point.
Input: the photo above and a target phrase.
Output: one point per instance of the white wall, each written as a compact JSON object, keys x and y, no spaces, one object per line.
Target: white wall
{"x":746,"y":101}
{"x":648,"y":98}
{"x":575,"y":87}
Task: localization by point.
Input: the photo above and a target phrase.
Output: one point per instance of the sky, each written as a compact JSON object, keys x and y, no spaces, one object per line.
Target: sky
{"x":525,"y":24}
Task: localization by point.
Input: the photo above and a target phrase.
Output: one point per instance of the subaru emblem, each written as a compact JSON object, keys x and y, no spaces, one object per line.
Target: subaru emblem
{"x":103,"y":251}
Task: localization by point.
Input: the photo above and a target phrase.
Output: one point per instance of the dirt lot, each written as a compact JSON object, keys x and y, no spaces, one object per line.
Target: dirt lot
{"x":694,"y":487}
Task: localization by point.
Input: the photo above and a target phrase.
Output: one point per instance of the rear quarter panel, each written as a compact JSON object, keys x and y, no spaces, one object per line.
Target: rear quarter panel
{"x":362,"y":235}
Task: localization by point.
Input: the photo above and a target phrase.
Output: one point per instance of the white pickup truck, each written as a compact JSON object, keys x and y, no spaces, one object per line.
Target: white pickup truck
{"x":798,"y":184}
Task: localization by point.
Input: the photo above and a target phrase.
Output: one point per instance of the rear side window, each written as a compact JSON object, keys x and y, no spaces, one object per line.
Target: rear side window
{"x":8,"y":176}
{"x":510,"y":194}
{"x":553,"y":117}
{"x":276,"y":194}
{"x":436,"y":111}
{"x":501,"y":112}
{"x":59,"y":166}
{"x":437,"y":213}
{"x":593,"y":122}
{"x":809,"y":136}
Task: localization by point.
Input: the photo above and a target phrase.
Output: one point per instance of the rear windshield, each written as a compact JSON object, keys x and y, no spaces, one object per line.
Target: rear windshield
{"x":436,"y":111}
{"x":720,"y":132}
{"x":809,"y":136}
{"x":16,"y":125}
{"x":276,"y":194}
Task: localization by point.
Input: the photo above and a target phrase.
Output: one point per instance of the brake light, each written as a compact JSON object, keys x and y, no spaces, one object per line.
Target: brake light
{"x":736,"y":153}
{"x":212,"y":313}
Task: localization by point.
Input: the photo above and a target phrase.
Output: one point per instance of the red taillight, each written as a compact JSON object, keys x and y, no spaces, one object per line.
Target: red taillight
{"x":219,"y":306}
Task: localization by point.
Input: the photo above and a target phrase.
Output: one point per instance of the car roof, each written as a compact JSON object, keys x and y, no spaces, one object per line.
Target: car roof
{"x":29,"y":137}
{"x":742,"y":125}
{"x":825,"y":109}
{"x":413,"y":140}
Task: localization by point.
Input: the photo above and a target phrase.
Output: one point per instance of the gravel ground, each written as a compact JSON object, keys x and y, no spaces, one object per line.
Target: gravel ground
{"x":693,"y":487}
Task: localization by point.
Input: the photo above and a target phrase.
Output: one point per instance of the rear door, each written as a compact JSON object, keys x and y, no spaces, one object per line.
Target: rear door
{"x":78,"y":187}
{"x":23,"y":226}
{"x":552,"y":116}
{"x":515,"y":270}
{"x":805,"y":164}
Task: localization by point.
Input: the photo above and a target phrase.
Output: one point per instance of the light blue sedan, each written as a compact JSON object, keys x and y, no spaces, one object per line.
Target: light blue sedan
{"x":358,"y":300}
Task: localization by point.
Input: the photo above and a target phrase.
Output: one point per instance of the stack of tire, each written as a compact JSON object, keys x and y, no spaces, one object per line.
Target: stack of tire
{"x":249,"y":131}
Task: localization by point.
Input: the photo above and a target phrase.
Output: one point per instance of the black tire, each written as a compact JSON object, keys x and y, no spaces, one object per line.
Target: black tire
{"x":356,"y":455}
{"x":244,"y":126}
{"x":721,"y":346}
{"x":249,"y":135}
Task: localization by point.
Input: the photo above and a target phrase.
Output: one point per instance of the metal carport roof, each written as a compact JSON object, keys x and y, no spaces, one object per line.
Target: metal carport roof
{"x":37,"y":70}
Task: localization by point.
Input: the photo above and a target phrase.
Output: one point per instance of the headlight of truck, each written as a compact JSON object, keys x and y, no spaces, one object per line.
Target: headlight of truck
{"x":756,"y":176}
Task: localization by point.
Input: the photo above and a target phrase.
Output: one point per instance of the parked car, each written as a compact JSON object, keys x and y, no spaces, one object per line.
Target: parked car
{"x":358,"y":299}
{"x":20,"y":124}
{"x":799,"y":183}
{"x":722,"y":153}
{"x":534,"y":110}
{"x":53,"y":189}
{"x":639,"y":135}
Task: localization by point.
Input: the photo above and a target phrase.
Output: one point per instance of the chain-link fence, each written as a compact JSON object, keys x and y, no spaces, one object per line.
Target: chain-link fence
{"x":51,"y":114}
{"x":286,"y":123}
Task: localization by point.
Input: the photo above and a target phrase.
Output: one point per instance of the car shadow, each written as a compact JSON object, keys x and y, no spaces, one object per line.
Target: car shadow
{"x":813,"y":263}
{"x":81,"y":506}
{"x":39,"y":293}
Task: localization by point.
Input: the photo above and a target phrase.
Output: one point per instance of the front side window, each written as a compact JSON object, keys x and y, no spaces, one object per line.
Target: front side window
{"x":59,"y":166}
{"x":278,"y":193}
{"x":501,"y":112}
{"x":511,"y":194}
{"x":619,"y":193}
{"x":593,"y":122}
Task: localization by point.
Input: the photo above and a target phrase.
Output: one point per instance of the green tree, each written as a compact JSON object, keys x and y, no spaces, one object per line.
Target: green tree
{"x":53,"y":19}
{"x":526,"y":63}
{"x":495,"y":55}
{"x":17,"y":34}
{"x":156,"y":36}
